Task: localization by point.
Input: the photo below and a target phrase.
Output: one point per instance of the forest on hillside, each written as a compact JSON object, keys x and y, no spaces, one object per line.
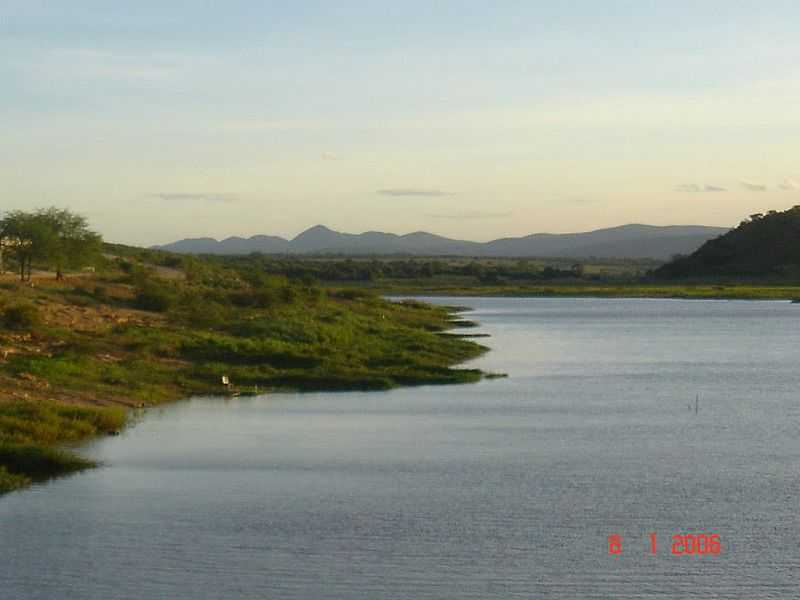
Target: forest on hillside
{"x":763,"y":245}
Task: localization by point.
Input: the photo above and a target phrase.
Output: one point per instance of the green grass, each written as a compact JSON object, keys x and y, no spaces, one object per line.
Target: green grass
{"x":258,"y":330}
{"x":745,"y":291}
{"x":31,"y":433}
{"x":48,"y":423}
{"x":10,"y":482}
{"x":349,"y":340}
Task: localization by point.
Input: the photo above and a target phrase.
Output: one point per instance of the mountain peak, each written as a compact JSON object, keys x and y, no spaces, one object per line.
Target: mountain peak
{"x":315,"y":230}
{"x":626,"y":241}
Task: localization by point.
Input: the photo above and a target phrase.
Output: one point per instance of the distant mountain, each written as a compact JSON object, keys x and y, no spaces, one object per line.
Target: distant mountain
{"x":627,"y":241}
{"x":763,"y":245}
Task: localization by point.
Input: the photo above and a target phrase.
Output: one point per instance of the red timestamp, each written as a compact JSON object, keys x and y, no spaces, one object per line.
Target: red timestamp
{"x":689,"y":544}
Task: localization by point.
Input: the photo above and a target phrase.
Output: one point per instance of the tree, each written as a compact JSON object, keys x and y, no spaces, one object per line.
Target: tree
{"x":27,"y":238}
{"x":71,"y":243}
{"x":52,"y":235}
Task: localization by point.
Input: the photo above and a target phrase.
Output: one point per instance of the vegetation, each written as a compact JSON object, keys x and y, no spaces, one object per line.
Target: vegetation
{"x":21,"y":316}
{"x":54,"y":236}
{"x":763,"y":246}
{"x":147,"y":327}
{"x":31,"y":430}
{"x":758,"y":260}
{"x":719,"y":291}
{"x":465,"y":270}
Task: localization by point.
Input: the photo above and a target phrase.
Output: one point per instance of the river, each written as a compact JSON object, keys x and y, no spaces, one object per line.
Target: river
{"x":509,"y":488}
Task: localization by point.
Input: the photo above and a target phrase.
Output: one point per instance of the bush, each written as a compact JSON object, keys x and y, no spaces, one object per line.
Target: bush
{"x":352,"y":294}
{"x":21,"y":316}
{"x":40,"y":462}
{"x":10,"y":481}
{"x":200,"y":312}
{"x":153,"y":298}
{"x":80,"y":300}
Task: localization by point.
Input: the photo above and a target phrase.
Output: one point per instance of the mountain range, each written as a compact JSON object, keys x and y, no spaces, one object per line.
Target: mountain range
{"x":626,"y":241}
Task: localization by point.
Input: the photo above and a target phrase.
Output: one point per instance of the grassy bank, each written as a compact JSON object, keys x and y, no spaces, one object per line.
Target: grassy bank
{"x":610,"y":290}
{"x":140,"y":333}
{"x":32,"y":432}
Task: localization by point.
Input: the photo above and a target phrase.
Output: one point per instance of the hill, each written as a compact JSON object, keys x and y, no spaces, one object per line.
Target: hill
{"x":761,"y":246}
{"x":627,"y":241}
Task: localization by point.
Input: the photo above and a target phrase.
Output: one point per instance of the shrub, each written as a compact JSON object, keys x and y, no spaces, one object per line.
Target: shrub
{"x":21,"y":316}
{"x":352,"y":294}
{"x":80,"y":300}
{"x":101,"y":293}
{"x":154,"y":298}
{"x":10,"y":481}
{"x":199,"y":312}
{"x":41,"y":462}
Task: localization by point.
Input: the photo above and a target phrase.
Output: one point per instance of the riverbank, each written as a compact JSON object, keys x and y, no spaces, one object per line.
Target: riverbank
{"x":32,"y":433}
{"x":582,"y":290}
{"x":75,"y":355}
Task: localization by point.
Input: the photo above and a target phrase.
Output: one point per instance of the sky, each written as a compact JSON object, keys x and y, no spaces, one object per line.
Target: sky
{"x":475,"y":120}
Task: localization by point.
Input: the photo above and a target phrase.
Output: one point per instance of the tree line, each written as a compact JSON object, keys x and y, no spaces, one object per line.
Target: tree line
{"x":57,"y":238}
{"x":369,"y":270}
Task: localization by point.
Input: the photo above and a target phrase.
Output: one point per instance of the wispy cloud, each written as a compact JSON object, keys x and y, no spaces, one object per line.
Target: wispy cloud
{"x":414,"y":192}
{"x":577,"y":200}
{"x":472,"y":215}
{"x":693,"y":188}
{"x":789,"y":184}
{"x":211,"y":197}
{"x":752,"y":186}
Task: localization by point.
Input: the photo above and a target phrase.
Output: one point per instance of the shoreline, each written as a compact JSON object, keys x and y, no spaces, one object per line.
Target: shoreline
{"x":66,"y":386}
{"x":63,"y":386}
{"x":789,"y":293}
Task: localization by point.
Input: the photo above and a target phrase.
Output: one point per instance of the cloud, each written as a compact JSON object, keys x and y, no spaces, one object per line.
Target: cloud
{"x":414,"y":192}
{"x":577,"y":200}
{"x":472,"y":215}
{"x":329,"y":156}
{"x":693,"y":188}
{"x":789,"y":184}
{"x":751,"y":186}
{"x":211,"y":197}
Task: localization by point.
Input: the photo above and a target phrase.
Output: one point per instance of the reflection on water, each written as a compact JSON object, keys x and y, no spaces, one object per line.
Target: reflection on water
{"x":504,"y":489}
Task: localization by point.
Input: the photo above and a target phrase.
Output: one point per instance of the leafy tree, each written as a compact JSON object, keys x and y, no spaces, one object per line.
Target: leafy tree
{"x":27,"y":237}
{"x":53,"y":235}
{"x":71,"y":243}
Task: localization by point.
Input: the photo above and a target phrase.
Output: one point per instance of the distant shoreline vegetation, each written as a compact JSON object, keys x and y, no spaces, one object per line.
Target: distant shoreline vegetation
{"x":760,"y":259}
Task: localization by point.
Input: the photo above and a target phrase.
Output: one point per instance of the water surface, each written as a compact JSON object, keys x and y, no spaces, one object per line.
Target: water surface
{"x":503,"y":489}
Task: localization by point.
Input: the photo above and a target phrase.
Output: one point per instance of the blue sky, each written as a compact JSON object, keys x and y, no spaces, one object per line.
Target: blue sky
{"x":470,"y":119}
